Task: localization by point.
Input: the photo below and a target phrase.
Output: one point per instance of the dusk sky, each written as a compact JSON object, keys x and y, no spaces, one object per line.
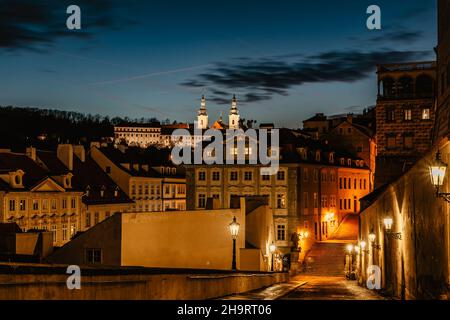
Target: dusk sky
{"x":284,"y":60}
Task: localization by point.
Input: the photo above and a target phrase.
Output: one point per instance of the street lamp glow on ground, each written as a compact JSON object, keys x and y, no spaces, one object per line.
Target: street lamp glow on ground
{"x":234,"y":231}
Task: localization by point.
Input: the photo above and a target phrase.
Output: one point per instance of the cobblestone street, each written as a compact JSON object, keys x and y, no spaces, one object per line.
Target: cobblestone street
{"x":330,"y":288}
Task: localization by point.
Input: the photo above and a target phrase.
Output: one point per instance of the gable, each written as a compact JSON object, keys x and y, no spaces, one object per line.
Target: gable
{"x":47,"y":185}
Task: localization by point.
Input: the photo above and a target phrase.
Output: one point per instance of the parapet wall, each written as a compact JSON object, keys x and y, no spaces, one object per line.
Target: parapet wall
{"x":31,"y":283}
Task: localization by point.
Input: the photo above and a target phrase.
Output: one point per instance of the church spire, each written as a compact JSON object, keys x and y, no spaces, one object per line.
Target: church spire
{"x":234,"y":109}
{"x":202,"y":118}
{"x":233,"y":117}
{"x":202,"y":110}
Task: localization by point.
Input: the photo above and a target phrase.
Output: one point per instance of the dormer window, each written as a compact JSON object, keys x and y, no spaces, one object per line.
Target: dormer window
{"x":317,"y":155}
{"x":16,"y":179}
{"x":342,"y":161}
{"x":88,"y":191}
{"x":102,"y":191}
{"x":68,"y":181}
{"x":116,"y":192}
{"x":331,"y":158}
{"x":349,"y":162}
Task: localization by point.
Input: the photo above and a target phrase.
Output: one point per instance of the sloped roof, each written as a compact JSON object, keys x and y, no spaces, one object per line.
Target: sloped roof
{"x":52,"y":163}
{"x":33,"y":172}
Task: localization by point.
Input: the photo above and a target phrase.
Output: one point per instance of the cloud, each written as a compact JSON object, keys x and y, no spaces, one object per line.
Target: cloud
{"x":261,"y":79}
{"x":392,"y":37}
{"x":31,"y":24}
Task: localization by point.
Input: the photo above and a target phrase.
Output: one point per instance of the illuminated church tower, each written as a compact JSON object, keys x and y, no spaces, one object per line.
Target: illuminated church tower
{"x":233,"y":118}
{"x":202,"y":118}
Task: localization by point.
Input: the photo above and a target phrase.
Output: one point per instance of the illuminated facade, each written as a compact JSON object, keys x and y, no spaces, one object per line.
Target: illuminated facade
{"x":304,"y":195}
{"x":62,"y":192}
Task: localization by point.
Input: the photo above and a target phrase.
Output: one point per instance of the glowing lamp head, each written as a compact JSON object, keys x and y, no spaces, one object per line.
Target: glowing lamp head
{"x":388,"y":223}
{"x":363,"y":245}
{"x":437,"y":171}
{"x":234,"y":228}
{"x":350,"y":248}
{"x":372,"y":237}
{"x":272,"y":247}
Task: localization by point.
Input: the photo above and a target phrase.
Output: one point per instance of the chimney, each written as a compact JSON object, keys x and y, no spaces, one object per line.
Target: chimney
{"x":350,"y":118}
{"x":80,"y":152}
{"x":31,"y":153}
{"x":65,"y":155}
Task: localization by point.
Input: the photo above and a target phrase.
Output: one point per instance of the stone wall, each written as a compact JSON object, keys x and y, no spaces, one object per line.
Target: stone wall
{"x":413,"y":256}
{"x":49,"y":283}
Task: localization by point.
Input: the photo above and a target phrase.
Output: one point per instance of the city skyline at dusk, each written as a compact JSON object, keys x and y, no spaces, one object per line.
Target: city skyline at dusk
{"x":284,"y":62}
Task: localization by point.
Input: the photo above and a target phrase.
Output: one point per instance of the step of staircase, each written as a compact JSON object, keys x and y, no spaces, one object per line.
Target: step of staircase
{"x":326,"y":259}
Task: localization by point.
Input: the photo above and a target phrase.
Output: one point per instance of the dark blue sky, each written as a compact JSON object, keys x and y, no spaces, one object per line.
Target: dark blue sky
{"x":284,"y":60}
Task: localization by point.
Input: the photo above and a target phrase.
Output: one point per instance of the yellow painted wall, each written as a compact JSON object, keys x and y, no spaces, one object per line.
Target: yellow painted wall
{"x":182,"y":239}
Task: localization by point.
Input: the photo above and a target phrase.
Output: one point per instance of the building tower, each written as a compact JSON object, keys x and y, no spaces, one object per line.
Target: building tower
{"x":233,"y":118}
{"x":202,"y":118}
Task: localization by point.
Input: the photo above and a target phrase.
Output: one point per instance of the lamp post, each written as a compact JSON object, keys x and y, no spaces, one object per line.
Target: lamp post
{"x":438,"y":168}
{"x":234,"y":231}
{"x":350,"y":259}
{"x":272,"y":249}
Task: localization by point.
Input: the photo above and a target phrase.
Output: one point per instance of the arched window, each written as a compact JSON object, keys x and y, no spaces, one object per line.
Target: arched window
{"x":405,"y":87}
{"x":387,"y":87}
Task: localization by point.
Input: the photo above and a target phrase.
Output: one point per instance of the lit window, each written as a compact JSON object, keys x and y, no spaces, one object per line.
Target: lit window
{"x":281,"y":201}
{"x":64,"y":232}
{"x":22,"y":205}
{"x":53,"y":230}
{"x":281,"y":175}
{"x":408,"y":115}
{"x":426,"y":114}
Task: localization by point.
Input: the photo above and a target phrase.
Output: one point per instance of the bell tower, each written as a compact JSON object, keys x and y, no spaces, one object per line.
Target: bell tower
{"x":233,"y":117}
{"x":202,"y":117}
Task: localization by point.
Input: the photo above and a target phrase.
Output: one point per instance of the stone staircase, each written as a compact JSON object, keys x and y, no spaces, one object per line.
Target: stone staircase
{"x":326,"y":259}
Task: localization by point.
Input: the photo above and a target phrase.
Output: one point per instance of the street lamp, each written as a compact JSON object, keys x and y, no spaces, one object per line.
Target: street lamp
{"x":388,"y":223}
{"x":438,"y":168}
{"x":234,"y":231}
{"x":372,"y":237}
{"x":272,"y":249}
{"x":363,"y":245}
{"x":350,"y":259}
